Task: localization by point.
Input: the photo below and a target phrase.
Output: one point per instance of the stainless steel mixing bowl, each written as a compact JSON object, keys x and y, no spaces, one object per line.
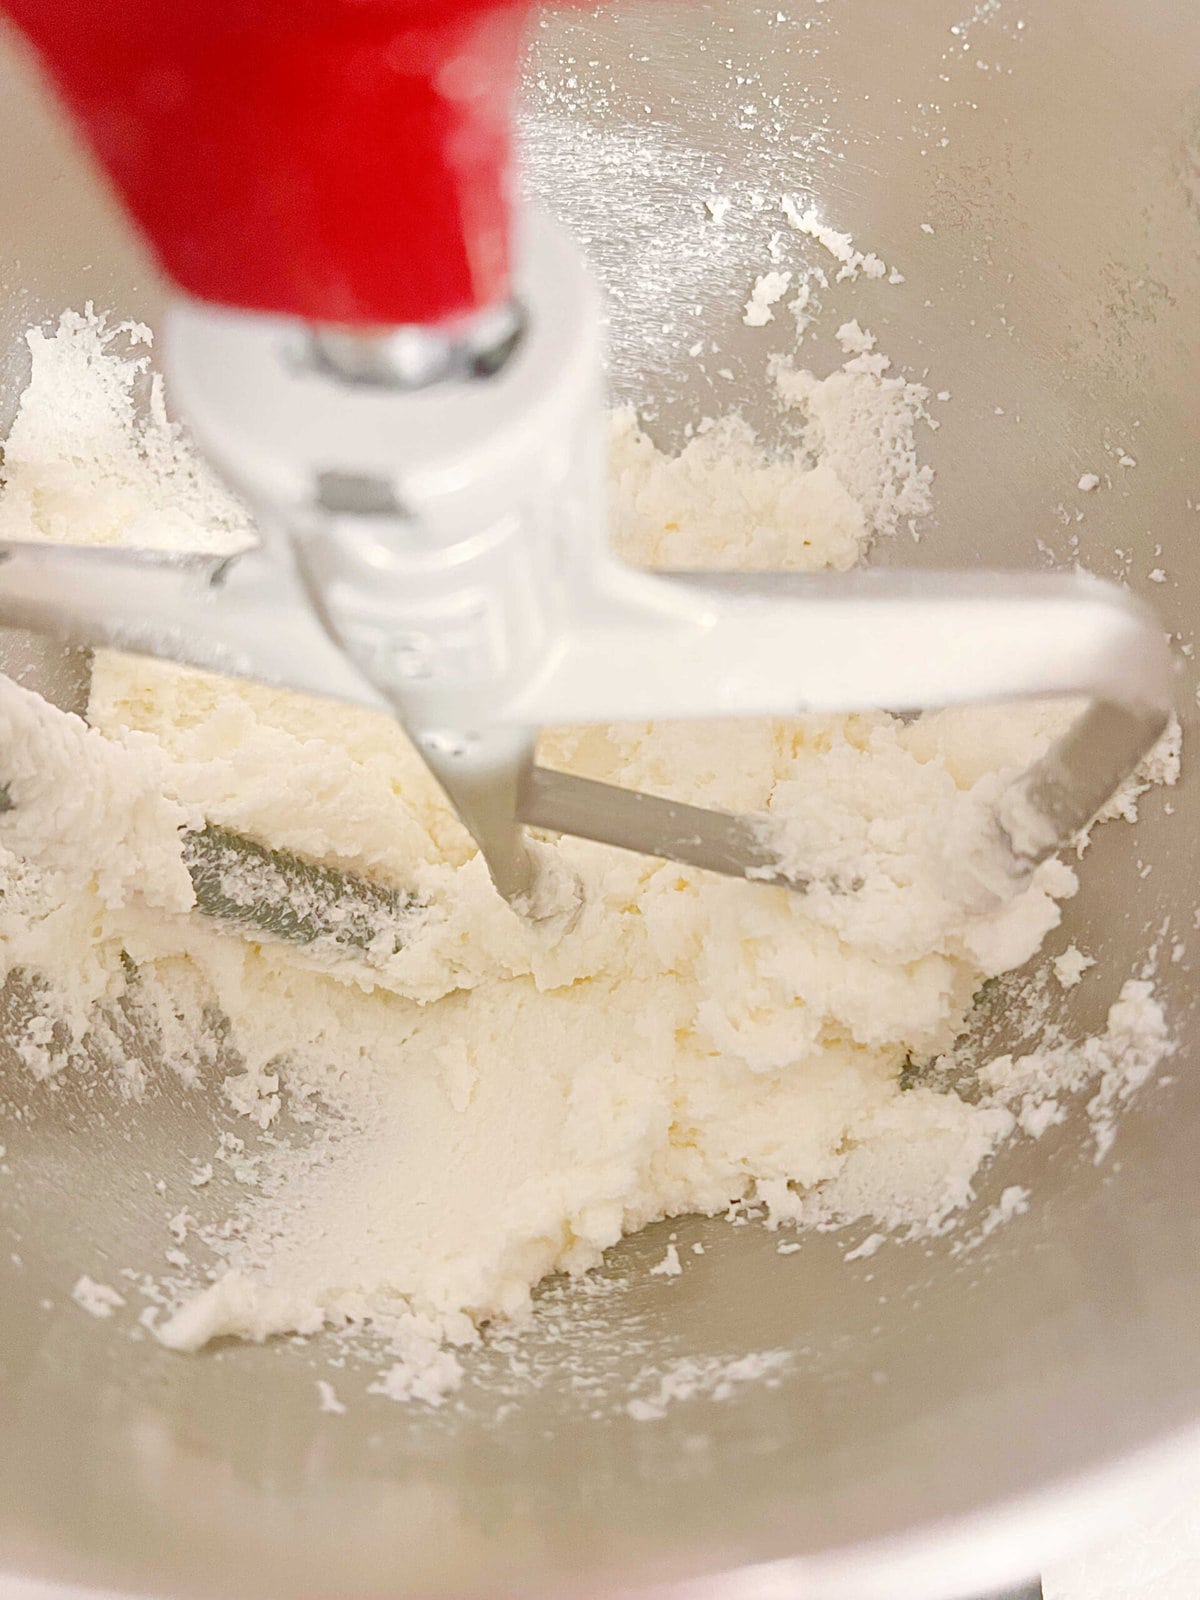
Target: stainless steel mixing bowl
{"x":949,"y":1422}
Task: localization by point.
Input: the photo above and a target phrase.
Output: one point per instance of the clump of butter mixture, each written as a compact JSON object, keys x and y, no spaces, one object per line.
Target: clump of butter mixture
{"x":499,"y":1102}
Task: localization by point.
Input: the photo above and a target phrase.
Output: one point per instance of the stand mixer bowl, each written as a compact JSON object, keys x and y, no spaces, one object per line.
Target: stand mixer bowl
{"x":948,"y":1422}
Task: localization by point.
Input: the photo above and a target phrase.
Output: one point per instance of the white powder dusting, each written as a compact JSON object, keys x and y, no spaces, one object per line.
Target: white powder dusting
{"x":860,"y":425}
{"x":854,"y":340}
{"x":768,"y":290}
{"x":1160,"y":768}
{"x":97,"y":1299}
{"x":1115,"y":1064}
{"x":1070,"y":966}
{"x":425,"y":1371}
{"x":631,"y":197}
{"x":711,"y":1378}
{"x":913,"y":1164}
{"x":1013,"y":1202}
{"x":866,"y":1249}
{"x":1037,"y":1116}
{"x":670,"y":1265}
{"x":328,"y":1400}
{"x":498,"y":1104}
{"x":852,"y":263}
{"x":92,"y":458}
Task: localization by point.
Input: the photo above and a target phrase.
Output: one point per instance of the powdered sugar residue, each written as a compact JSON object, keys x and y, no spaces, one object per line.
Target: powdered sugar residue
{"x":712,"y":1378}
{"x":851,"y":263}
{"x":97,"y":1299}
{"x":328,"y":1400}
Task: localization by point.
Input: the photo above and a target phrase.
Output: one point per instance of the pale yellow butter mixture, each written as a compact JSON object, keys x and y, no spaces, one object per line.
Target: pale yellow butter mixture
{"x":507,"y":1101}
